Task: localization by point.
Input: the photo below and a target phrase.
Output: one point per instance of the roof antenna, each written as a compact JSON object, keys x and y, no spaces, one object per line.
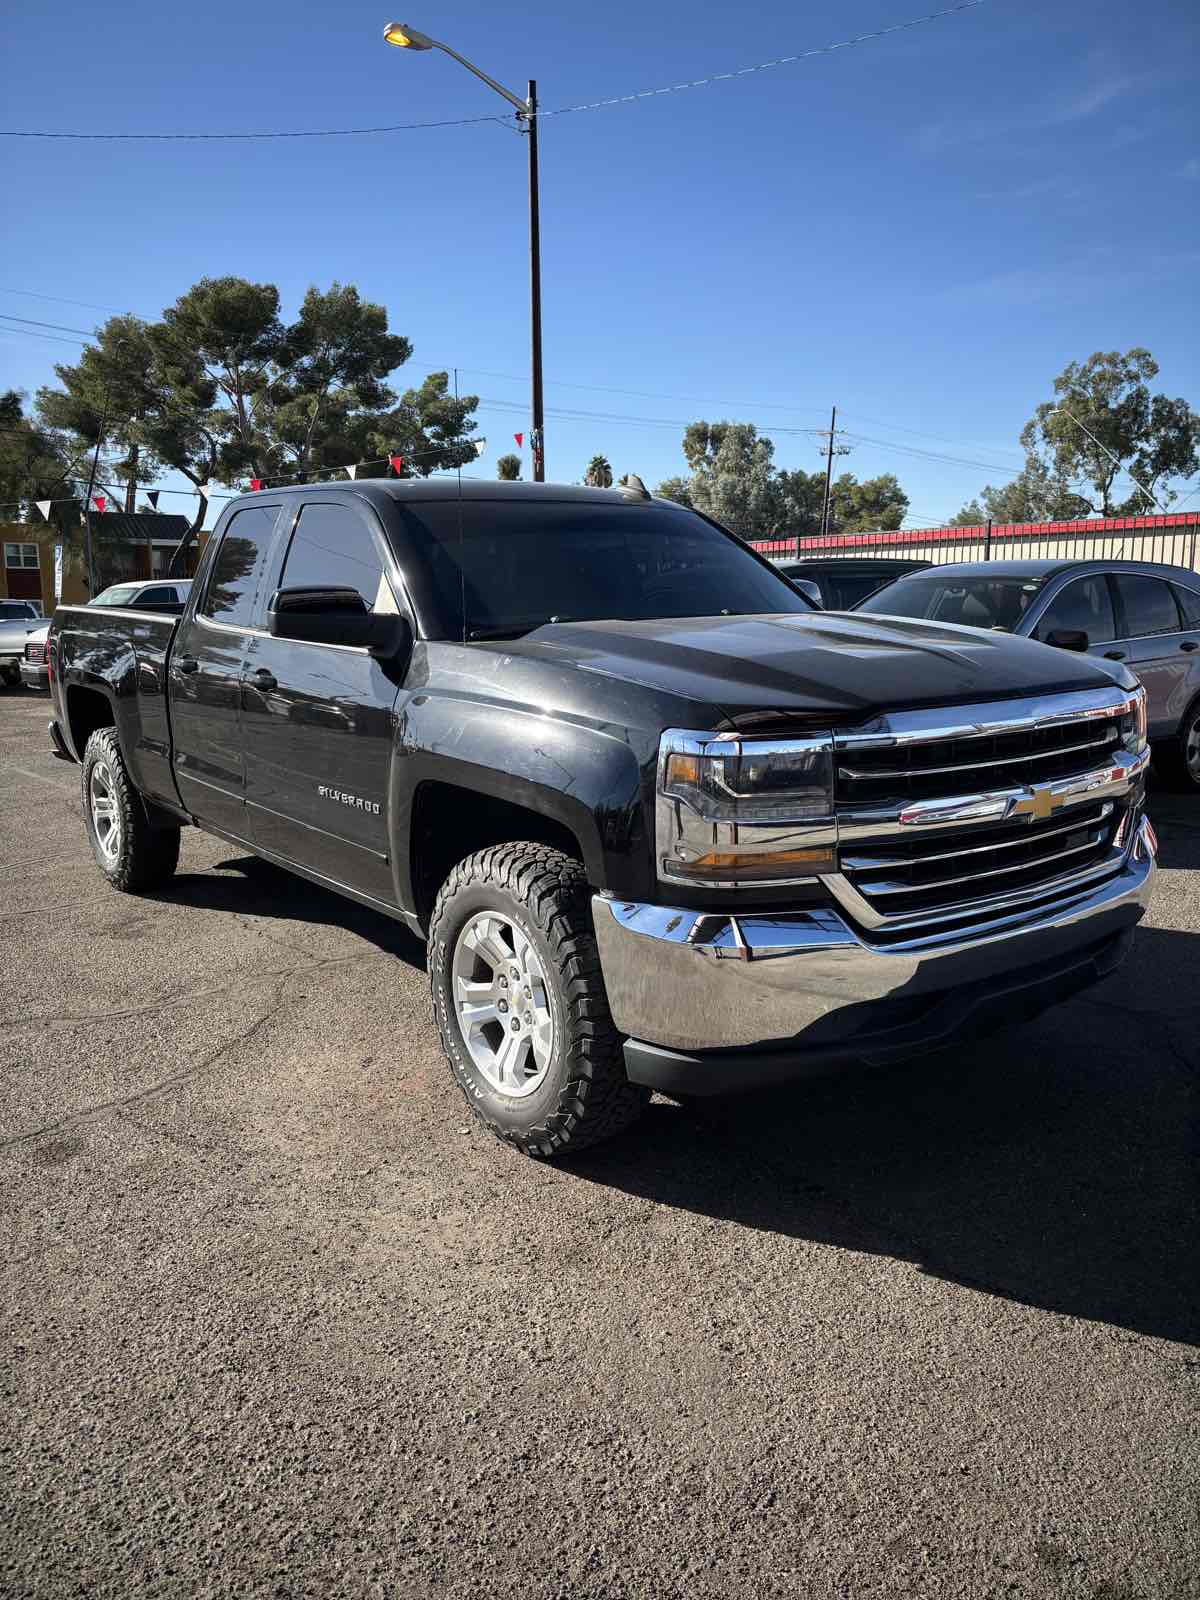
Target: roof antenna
{"x":632,"y":484}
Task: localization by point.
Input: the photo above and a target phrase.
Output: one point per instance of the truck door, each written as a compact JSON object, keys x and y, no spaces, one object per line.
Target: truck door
{"x":318,"y":718}
{"x":207,"y":661}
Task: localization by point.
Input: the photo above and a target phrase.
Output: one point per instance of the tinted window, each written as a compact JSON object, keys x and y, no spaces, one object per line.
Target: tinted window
{"x":976,"y":600}
{"x":1189,"y":605}
{"x":518,"y":564}
{"x":332,"y":548}
{"x":1085,"y":604}
{"x":1149,"y":606}
{"x":13,"y":612}
{"x":846,"y":592}
{"x":160,"y":595}
{"x":234,"y":577}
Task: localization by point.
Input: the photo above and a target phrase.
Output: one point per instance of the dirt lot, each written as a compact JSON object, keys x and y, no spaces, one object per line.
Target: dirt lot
{"x":277,"y":1321}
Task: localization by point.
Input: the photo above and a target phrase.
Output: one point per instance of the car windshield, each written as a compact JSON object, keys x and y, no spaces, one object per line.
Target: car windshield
{"x":16,"y":613}
{"x":978,"y":600}
{"x":518,"y":564}
{"x":120,"y":594}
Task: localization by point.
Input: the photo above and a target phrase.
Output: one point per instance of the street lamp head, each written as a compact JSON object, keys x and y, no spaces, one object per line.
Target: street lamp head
{"x":406,"y":38}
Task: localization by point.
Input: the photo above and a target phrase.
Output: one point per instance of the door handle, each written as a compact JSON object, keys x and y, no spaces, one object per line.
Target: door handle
{"x":188,"y":664}
{"x":1114,"y":655}
{"x":1189,"y":645}
{"x":262,"y":679}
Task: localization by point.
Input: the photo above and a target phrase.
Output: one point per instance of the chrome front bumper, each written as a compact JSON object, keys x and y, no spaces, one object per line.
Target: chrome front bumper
{"x":809,"y":981}
{"x":35,"y":675}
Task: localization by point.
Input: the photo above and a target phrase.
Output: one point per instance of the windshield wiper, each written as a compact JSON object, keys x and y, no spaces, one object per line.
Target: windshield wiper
{"x":512,"y":630}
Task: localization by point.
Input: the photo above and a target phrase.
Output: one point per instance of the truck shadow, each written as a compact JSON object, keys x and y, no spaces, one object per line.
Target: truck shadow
{"x":1054,"y":1164}
{"x":253,"y":887}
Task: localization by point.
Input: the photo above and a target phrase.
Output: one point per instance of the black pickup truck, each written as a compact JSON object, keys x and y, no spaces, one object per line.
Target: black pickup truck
{"x":661,"y":823}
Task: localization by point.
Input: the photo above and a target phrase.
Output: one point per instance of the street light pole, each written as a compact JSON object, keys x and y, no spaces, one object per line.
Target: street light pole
{"x":405,"y":37}
{"x":535,"y":289}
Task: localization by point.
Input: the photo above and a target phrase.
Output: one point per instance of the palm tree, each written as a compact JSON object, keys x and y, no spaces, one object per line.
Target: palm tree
{"x":508,"y":468}
{"x":599,"y":473}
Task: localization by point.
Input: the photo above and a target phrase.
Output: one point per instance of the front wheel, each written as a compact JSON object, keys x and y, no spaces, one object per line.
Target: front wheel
{"x":131,"y":854}
{"x":520,"y":1004}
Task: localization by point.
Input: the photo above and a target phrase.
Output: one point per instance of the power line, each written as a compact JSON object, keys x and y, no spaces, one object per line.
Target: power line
{"x":35,"y":294}
{"x":560,"y":111}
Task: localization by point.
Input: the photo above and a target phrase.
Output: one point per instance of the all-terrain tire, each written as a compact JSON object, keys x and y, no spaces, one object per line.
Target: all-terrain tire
{"x":1178,"y":759}
{"x":132,"y":855}
{"x":585,"y":1096}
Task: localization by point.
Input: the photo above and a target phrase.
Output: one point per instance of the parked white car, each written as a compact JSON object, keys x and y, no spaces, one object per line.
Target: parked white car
{"x":18,"y":619}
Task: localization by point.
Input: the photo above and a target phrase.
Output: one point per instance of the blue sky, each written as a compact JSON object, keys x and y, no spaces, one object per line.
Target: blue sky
{"x":923,"y":229}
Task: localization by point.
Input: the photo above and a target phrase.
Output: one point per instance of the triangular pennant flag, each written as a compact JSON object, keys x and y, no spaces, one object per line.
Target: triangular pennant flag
{"x":255,"y":483}
{"x":100,"y":502}
{"x":480,"y":446}
{"x":152,"y":495}
{"x":520,"y":438}
{"x":353,"y":471}
{"x":44,"y":507}
{"x":397,"y":464}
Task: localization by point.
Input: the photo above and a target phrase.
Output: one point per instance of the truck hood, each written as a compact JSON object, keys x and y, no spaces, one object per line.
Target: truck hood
{"x":834,"y":662}
{"x":14,"y":635}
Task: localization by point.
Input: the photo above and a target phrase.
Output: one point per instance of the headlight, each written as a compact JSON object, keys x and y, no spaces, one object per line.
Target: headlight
{"x":733,"y":811}
{"x":1133,"y":723}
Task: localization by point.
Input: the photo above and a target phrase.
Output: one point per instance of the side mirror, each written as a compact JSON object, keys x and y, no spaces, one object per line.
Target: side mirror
{"x":1068,"y":638}
{"x":336,"y":616}
{"x":809,"y":589}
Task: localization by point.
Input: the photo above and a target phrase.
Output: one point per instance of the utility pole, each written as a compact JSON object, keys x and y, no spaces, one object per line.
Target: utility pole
{"x":831,"y":450}
{"x":87,"y":509}
{"x":535,"y":289}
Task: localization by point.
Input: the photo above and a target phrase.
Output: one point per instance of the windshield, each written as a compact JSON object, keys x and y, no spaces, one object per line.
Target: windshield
{"x":977,"y":600}
{"x":518,"y":564}
{"x":16,"y":613}
{"x":120,"y":594}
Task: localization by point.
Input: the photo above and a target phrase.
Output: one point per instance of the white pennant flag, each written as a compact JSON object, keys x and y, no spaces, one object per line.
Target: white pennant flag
{"x":44,"y":507}
{"x":353,"y":471}
{"x":480,"y":446}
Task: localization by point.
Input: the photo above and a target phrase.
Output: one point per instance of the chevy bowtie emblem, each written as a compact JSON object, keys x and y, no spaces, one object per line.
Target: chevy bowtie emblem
{"x":1039,"y":803}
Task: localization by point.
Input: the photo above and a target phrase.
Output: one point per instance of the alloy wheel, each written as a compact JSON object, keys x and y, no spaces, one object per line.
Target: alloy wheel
{"x":501,"y":1004}
{"x":106,"y":818}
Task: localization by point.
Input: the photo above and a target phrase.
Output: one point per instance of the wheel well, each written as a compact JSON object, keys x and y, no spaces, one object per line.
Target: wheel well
{"x":449,"y":823}
{"x":87,"y":710}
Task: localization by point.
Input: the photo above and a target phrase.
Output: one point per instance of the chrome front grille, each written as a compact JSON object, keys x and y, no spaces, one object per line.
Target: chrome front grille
{"x":916,"y":770}
{"x":973,"y":811}
{"x":34,"y":652}
{"x":903,"y":876}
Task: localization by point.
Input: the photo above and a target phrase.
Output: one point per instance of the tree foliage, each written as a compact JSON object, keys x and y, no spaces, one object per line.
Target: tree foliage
{"x":34,"y":464}
{"x":508,"y":468}
{"x":1152,"y":437}
{"x":734,"y":480}
{"x":599,"y":473}
{"x":222,"y":389}
{"x":1036,"y":494}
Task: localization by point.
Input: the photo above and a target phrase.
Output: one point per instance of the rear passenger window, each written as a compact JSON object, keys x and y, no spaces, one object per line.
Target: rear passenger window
{"x":163,"y":595}
{"x":1085,"y":603}
{"x":233,"y":582}
{"x":332,"y":548}
{"x":1149,"y":606}
{"x":1189,"y":605}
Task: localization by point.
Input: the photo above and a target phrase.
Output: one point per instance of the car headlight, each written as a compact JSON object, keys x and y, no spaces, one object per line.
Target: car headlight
{"x":1133,"y":722}
{"x":733,"y":811}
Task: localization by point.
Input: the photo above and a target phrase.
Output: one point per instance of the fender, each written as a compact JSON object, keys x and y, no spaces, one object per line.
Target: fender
{"x":579,"y":775}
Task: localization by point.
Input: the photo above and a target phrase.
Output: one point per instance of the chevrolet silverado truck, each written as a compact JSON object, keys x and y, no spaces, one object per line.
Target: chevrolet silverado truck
{"x":661,"y":824}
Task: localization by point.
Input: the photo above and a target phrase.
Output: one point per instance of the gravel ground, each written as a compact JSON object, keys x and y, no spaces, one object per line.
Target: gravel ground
{"x":276,"y":1321}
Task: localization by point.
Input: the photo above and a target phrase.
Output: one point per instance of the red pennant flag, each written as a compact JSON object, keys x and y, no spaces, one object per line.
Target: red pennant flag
{"x":256,"y":483}
{"x":520,"y":438}
{"x":100,"y":502}
{"x":397,"y":463}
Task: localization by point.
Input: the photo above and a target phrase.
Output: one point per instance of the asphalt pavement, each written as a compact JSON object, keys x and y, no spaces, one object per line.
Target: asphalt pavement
{"x":277,"y":1320}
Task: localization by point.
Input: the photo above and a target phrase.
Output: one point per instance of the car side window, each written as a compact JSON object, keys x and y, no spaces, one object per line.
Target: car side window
{"x":1085,"y":603}
{"x":160,"y":595}
{"x":332,"y":548}
{"x":1189,"y":605}
{"x":1149,"y":606}
{"x":233,"y":581}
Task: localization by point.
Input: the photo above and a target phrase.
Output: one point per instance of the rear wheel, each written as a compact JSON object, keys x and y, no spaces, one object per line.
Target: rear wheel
{"x":1179,"y":759}
{"x":520,"y":1004}
{"x":131,"y":854}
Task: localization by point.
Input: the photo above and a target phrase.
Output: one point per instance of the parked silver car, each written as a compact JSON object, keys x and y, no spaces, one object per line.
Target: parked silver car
{"x":18,"y":619}
{"x":1143,"y":613}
